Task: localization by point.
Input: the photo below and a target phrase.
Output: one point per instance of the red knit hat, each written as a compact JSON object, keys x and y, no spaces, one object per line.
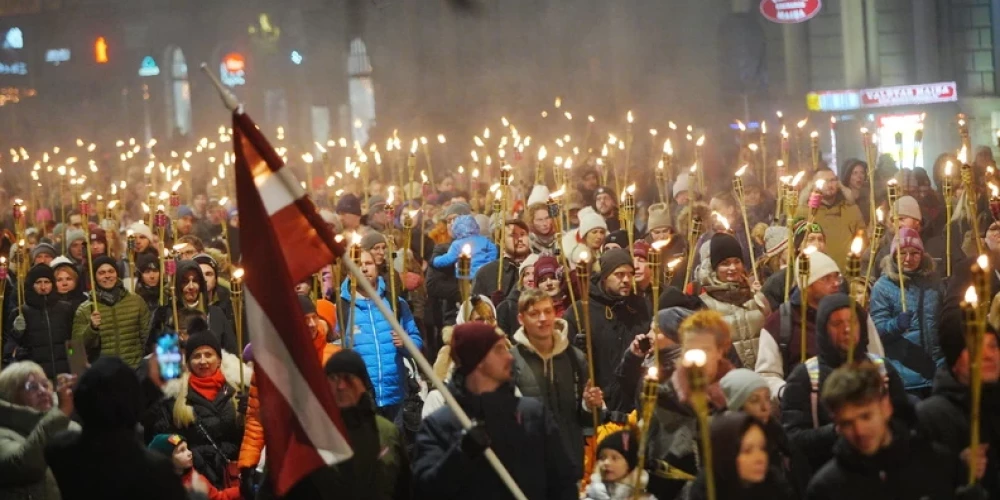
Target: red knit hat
{"x":640,"y":249}
{"x":546,"y":266}
{"x":470,"y":343}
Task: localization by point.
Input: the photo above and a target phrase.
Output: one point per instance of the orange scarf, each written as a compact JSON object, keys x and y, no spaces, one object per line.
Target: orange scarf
{"x":208,"y":387}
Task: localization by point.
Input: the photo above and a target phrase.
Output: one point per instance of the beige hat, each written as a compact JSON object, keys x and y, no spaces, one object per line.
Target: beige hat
{"x":658,"y":216}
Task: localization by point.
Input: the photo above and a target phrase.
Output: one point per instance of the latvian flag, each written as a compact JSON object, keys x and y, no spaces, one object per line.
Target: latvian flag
{"x":284,"y":242}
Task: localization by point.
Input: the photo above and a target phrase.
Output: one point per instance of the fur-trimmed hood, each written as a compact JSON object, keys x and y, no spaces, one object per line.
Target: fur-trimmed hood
{"x":183,"y":414}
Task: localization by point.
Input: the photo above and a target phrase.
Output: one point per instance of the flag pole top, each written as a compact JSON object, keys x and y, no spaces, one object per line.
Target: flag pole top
{"x":228,"y":99}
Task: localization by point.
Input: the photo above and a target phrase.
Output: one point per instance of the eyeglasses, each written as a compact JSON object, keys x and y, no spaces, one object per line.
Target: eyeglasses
{"x":36,"y":386}
{"x":833,"y":279}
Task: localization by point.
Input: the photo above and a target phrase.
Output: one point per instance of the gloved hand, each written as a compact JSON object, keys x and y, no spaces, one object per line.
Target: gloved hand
{"x":475,"y":440}
{"x":904,"y":320}
{"x":248,"y":483}
{"x":19,"y":323}
{"x":412,"y":280}
{"x":242,"y":402}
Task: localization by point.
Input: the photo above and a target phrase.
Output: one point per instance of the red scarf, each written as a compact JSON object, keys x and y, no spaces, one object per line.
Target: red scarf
{"x":208,"y":386}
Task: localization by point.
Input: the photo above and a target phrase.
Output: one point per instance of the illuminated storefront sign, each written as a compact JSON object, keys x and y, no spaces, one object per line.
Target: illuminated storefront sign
{"x":882,"y":97}
{"x":148,"y":67}
{"x":233,"y":70}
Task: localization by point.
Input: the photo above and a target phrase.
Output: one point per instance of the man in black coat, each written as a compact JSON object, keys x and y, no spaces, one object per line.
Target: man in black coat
{"x":877,"y":457}
{"x":814,"y":434}
{"x":616,"y":315}
{"x":107,"y":460}
{"x":521,"y":431}
{"x":44,"y":325}
{"x":515,"y":250}
{"x":944,"y":416}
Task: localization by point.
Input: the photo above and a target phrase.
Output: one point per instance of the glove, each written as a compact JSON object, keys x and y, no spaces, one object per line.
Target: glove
{"x":19,"y":323}
{"x":242,"y":402}
{"x":475,"y":440}
{"x":904,"y":320}
{"x":412,"y":280}
{"x":248,"y":483}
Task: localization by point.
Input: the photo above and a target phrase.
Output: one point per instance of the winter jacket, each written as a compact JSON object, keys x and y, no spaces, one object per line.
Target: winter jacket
{"x":507,"y":313}
{"x":485,"y":281}
{"x":773,"y":362}
{"x":742,"y":310}
{"x":442,"y":287}
{"x":814,"y":435}
{"x":163,"y":321}
{"x":124,"y":326}
{"x":201,"y":422}
{"x":483,"y":252}
{"x":910,"y":468}
{"x":614,"y":323}
{"x":914,"y":352}
{"x":24,"y":433}
{"x":232,"y":493}
{"x":944,"y":418}
{"x":372,"y":339}
{"x":840,"y":222}
{"x":149,"y":294}
{"x":558,"y":381}
{"x":621,"y":490}
{"x":772,"y":488}
{"x":524,"y":436}
{"x":48,"y":326}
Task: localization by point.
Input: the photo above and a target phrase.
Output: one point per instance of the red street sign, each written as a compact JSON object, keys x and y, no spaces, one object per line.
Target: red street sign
{"x":789,"y":11}
{"x":905,"y":95}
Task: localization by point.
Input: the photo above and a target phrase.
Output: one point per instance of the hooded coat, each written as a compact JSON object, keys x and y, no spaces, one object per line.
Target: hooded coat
{"x":372,"y":339}
{"x":48,"y":326}
{"x":743,"y":310}
{"x":124,"y":325}
{"x":442,"y":286}
{"x":524,"y":436}
{"x":914,"y":352}
{"x":910,"y":468}
{"x":558,"y":379}
{"x":797,"y":397}
{"x":485,"y":281}
{"x":944,"y":418}
{"x":465,"y":231}
{"x":220,"y":325}
{"x":24,"y":432}
{"x":614,"y":322}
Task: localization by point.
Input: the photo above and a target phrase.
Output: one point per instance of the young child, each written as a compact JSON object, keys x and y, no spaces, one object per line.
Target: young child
{"x":465,"y":231}
{"x":175,"y":447}
{"x":618,"y":458}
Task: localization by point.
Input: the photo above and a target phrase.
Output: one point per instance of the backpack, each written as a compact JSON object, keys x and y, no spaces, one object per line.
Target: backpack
{"x":785,"y":334}
{"x":812,"y":368}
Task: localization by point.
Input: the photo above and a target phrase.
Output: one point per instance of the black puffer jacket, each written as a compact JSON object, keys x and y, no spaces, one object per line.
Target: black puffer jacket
{"x":507,"y":313}
{"x":162,"y":318}
{"x":614,"y":322}
{"x":48,"y":325}
{"x":442,"y":287}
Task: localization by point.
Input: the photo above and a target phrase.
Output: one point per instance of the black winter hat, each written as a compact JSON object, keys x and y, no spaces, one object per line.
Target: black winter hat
{"x":348,"y":361}
{"x":146,"y":262}
{"x":204,"y":258}
{"x":104,"y":259}
{"x":623,"y":442}
{"x":619,"y":237}
{"x":674,"y":297}
{"x":307,"y":305}
{"x":200,"y":336}
{"x":108,"y":396}
{"x":39,"y":271}
{"x":613,"y":259}
{"x":724,"y":246}
{"x":669,"y":321}
{"x":605,"y":190}
{"x":349,"y":204}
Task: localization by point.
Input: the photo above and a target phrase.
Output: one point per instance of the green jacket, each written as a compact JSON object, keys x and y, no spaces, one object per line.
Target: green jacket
{"x":123,"y":332}
{"x":23,"y":435}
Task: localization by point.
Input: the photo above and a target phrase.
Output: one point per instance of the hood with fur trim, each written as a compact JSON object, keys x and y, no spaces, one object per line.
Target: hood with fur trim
{"x":183,"y":414}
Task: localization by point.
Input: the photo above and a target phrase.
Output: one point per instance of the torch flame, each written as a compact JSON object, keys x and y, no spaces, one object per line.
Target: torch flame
{"x":392,"y":196}
{"x":631,"y":188}
{"x":441,"y":139}
{"x":700,"y":142}
{"x":947,"y":168}
{"x":814,"y":134}
{"x":652,"y":373}
{"x":802,"y":123}
{"x":355,"y":239}
{"x":413,"y":147}
{"x":809,"y":250}
{"x":695,"y":357}
{"x":879,"y":215}
{"x":479,"y":142}
{"x":423,"y":176}
{"x":763,"y":127}
{"x":672,"y":125}
{"x":590,"y":118}
{"x":659,"y":244}
{"x":819,"y":184}
{"x":668,"y":148}
{"x":674,"y":263}
{"x":584,"y":257}
{"x":558,"y":193}
{"x":743,"y":128}
{"x":467,"y":250}
{"x":742,"y":170}
{"x":693,"y":168}
{"x":983,"y":261}
{"x":971,"y":297}
{"x":238,"y":273}
{"x":722,"y":220}
{"x":797,"y":178}
{"x":857,"y":245}
{"x":963,"y":155}
{"x":629,"y":117}
{"x":542,"y":153}
{"x":994,"y":190}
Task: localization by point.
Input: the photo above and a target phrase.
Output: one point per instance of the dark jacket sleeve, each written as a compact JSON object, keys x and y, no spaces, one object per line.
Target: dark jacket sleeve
{"x":485,"y":282}
{"x":620,"y":395}
{"x":439,"y":461}
{"x":561,"y":475}
{"x":797,"y":419}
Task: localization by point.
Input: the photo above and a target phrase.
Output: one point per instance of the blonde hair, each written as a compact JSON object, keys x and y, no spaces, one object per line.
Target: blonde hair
{"x":706,"y":322}
{"x":14,"y":376}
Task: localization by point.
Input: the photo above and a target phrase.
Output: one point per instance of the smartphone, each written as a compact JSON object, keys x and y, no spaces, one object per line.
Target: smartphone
{"x":168,"y":355}
{"x":77,"y":356}
{"x":645,"y":344}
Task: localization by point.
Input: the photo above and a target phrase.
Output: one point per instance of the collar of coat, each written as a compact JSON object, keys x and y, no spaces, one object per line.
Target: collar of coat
{"x":183,"y":413}
{"x":925,"y":270}
{"x":560,"y":332}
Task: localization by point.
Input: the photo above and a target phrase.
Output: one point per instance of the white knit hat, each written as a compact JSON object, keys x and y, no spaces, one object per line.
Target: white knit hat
{"x":907,"y":206}
{"x":681,"y":184}
{"x":590,"y":220}
{"x":528,"y":261}
{"x":539,"y":194}
{"x":820,"y":265}
{"x":139,"y":228}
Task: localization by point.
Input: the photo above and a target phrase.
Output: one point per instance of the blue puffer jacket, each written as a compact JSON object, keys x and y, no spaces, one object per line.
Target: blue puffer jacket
{"x":915,"y":353}
{"x":465,"y":231}
{"x":373,"y":341}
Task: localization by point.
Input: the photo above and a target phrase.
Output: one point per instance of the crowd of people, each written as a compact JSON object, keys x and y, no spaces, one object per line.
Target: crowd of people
{"x":550,"y":320}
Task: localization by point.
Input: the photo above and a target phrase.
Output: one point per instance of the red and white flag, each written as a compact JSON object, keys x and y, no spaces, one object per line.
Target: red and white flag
{"x":284,"y":240}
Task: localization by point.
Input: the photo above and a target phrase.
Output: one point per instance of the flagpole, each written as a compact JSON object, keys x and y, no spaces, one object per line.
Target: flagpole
{"x":233,"y":105}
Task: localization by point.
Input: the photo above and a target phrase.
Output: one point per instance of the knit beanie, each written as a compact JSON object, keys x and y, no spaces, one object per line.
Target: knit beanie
{"x":146,"y":262}
{"x":657,"y":216}
{"x":619,"y":237}
{"x":539,"y":196}
{"x":39,"y":271}
{"x":99,"y":235}
{"x":669,"y":321}
{"x":307,"y":305}
{"x":820,"y":265}
{"x":376,"y":202}
{"x":74,"y":235}
{"x":470,"y":343}
{"x":605,"y":190}
{"x":625,"y":443}
{"x":528,"y":261}
{"x":165,"y":444}
{"x":457,"y":208}
{"x":43,"y":248}
{"x":907,"y":206}
{"x":208,"y":260}
{"x":201,"y":337}
{"x":483,"y":221}
{"x":641,"y":249}
{"x":590,"y":220}
{"x":348,"y":361}
{"x":738,"y":385}
{"x":546,"y":266}
{"x":371,"y":239}
{"x":803,"y":228}
{"x":906,"y":238}
{"x":775,"y":240}
{"x":349,"y":204}
{"x":952,"y":339}
{"x":612,"y":260}
{"x":139,"y":228}
{"x":723,"y":246}
{"x":681,"y":184}
{"x":104,"y":259}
